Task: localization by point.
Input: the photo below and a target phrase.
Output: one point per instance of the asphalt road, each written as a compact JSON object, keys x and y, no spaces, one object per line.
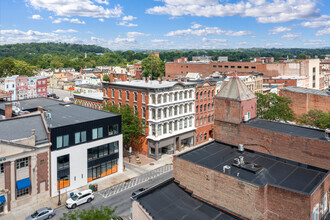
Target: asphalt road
{"x":60,"y":93}
{"x":121,"y":200}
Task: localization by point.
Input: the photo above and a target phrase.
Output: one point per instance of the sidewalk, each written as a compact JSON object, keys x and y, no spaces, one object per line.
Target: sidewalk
{"x":131,"y":171}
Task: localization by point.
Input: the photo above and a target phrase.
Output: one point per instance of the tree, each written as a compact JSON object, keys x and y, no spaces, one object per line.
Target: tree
{"x":315,"y":118}
{"x":153,"y":65}
{"x":7,"y":66}
{"x":132,"y":127}
{"x":273,"y":107}
{"x":106,"y":78}
{"x":104,"y":213}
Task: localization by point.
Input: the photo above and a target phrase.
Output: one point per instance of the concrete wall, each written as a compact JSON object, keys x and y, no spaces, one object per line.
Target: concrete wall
{"x":138,"y":212}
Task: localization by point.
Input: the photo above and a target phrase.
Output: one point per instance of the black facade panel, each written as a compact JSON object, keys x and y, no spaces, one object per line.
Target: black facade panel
{"x":88,"y":127}
{"x":63,"y":172}
{"x":103,"y":159}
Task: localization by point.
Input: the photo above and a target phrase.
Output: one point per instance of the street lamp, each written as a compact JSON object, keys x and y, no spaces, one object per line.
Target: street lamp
{"x":59,"y":198}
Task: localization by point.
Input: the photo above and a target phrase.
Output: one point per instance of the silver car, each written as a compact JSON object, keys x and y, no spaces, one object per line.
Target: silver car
{"x":43,"y":213}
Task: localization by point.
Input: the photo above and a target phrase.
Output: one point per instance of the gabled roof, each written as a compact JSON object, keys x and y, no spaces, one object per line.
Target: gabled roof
{"x":236,"y":89}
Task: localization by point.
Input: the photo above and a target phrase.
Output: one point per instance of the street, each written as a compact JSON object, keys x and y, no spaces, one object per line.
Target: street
{"x":60,"y":93}
{"x":121,"y":200}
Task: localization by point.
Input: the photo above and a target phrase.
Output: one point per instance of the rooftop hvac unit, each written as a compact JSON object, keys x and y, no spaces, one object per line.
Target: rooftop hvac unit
{"x":241,"y":158}
{"x":237,"y":162}
{"x":246,"y":118}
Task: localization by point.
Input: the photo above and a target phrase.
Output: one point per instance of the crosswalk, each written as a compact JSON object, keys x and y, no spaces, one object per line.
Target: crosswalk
{"x":135,"y":181}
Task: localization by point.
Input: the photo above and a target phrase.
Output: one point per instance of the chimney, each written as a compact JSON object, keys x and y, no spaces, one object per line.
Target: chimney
{"x":40,"y":109}
{"x":147,"y":80}
{"x":179,"y":80}
{"x":8,"y":110}
{"x":185,"y":80}
{"x":170,"y":79}
{"x":159,"y":80}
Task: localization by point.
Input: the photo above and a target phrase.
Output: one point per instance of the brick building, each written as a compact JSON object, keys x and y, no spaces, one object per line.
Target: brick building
{"x":256,"y":169}
{"x":204,"y":105}
{"x":24,"y":161}
{"x":304,"y":100}
{"x":301,"y":81}
{"x":90,"y":100}
{"x":309,"y":68}
{"x":168,"y":109}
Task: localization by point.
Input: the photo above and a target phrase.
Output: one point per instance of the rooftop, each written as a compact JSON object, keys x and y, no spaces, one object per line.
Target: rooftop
{"x":63,"y":114}
{"x":21,"y":127}
{"x":271,"y":170}
{"x":169,"y":201}
{"x":285,"y":128}
{"x":95,"y":95}
{"x":151,"y":84}
{"x":235,"y":89}
{"x":306,"y":91}
{"x":89,"y":86}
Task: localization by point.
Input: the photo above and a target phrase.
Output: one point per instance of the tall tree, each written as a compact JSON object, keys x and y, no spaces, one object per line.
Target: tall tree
{"x":315,"y":118}
{"x":7,"y":67}
{"x":132,"y":126}
{"x":273,"y":107}
{"x":153,"y":66}
{"x":106,"y":78}
{"x":103,"y":213}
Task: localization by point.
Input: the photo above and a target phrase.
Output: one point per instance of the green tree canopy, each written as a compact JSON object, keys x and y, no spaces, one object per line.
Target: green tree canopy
{"x":106,"y":78}
{"x":273,"y":107}
{"x":10,"y":66}
{"x":132,"y":126}
{"x":103,"y":213}
{"x":153,"y":65}
{"x":315,"y":118}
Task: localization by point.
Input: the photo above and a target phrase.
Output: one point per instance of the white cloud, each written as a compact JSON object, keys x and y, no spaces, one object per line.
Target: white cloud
{"x":51,"y":17}
{"x":214,"y":40}
{"x":72,"y":20}
{"x":322,"y":21}
{"x":84,"y":8}
{"x":128,"y":18}
{"x":242,"y":43}
{"x":36,"y":17}
{"x":126,"y":24}
{"x":124,"y":40}
{"x":272,"y":11}
{"x":16,"y":32}
{"x":274,"y":45}
{"x":322,"y":32}
{"x":290,"y":36}
{"x":101,"y":19}
{"x":106,"y":2}
{"x":196,"y":26}
{"x":136,"y":34}
{"x":206,"y":31}
{"x":314,"y":42}
{"x":162,"y":42}
{"x":277,"y":30}
{"x":65,"y":31}
{"x":99,"y":40}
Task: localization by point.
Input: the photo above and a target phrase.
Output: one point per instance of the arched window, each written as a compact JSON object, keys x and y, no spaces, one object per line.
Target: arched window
{"x":135,"y":96}
{"x":205,"y":95}
{"x":208,"y":94}
{"x":201,"y":96}
{"x":197,"y":138}
{"x":204,"y":107}
{"x":197,"y":120}
{"x":209,"y":119}
{"x":127,"y":95}
{"x":209,"y":107}
{"x":201,"y":108}
{"x":205,"y":136}
{"x":201,"y":121}
{"x":212,"y":117}
{"x":159,"y":99}
{"x":213,"y":106}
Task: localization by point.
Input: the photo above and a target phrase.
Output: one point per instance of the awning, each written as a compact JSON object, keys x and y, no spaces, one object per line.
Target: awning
{"x":2,"y":199}
{"x":22,"y":184}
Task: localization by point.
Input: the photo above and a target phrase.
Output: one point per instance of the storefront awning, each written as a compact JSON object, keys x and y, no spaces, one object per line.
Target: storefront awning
{"x":2,"y":199}
{"x":22,"y":184}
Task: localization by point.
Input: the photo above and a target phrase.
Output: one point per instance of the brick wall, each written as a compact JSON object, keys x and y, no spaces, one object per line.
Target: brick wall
{"x":42,"y":170}
{"x":302,"y":103}
{"x":310,"y":151}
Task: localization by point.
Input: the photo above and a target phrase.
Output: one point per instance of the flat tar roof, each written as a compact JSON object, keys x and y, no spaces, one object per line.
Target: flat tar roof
{"x":169,"y":201}
{"x":63,"y":114}
{"x":151,"y":84}
{"x":287,"y":129}
{"x":276,"y":171}
{"x":95,"y":95}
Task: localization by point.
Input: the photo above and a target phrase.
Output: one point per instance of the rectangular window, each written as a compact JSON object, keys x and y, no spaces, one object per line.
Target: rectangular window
{"x":153,"y":112}
{"x":2,"y":168}
{"x":164,"y":129}
{"x":113,"y":129}
{"x":112,"y":93}
{"x":170,"y":127}
{"x":23,"y":162}
{"x":232,"y":67}
{"x":100,"y":132}
{"x":63,"y":171}
{"x":59,"y":141}
{"x":315,"y":215}
{"x":65,"y":140}
{"x":143,"y":112}
{"x":135,"y":96}
{"x":77,"y":138}
{"x":143,"y":97}
{"x":164,"y":98}
{"x":94,"y":131}
{"x":159,"y":130}
{"x":246,"y":67}
{"x":165,"y":112}
{"x":119,"y":94}
{"x":127,"y":95}
{"x":190,"y":122}
{"x":170,"y":111}
{"x":23,"y":192}
{"x":180,"y":124}
{"x":185,"y":123}
{"x":175,"y":125}
{"x":159,"y":113}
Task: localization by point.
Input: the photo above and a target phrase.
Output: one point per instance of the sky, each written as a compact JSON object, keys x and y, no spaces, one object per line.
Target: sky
{"x":168,"y":24}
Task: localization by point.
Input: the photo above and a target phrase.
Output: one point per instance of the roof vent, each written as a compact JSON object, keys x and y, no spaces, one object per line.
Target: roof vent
{"x":240,"y":147}
{"x":226,"y":169}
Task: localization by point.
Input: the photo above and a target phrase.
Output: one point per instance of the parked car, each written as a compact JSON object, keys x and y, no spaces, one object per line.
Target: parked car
{"x":137,"y":192}
{"x":40,"y":214}
{"x":79,"y":198}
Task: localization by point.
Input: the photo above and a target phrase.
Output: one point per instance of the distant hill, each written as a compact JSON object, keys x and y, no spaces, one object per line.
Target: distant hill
{"x":21,"y":51}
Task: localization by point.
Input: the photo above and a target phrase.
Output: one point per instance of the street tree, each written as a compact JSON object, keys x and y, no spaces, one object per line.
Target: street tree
{"x":103,"y":213}
{"x":153,"y":66}
{"x":315,"y":118}
{"x":273,"y":107}
{"x":132,"y":126}
{"x":106,"y":78}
